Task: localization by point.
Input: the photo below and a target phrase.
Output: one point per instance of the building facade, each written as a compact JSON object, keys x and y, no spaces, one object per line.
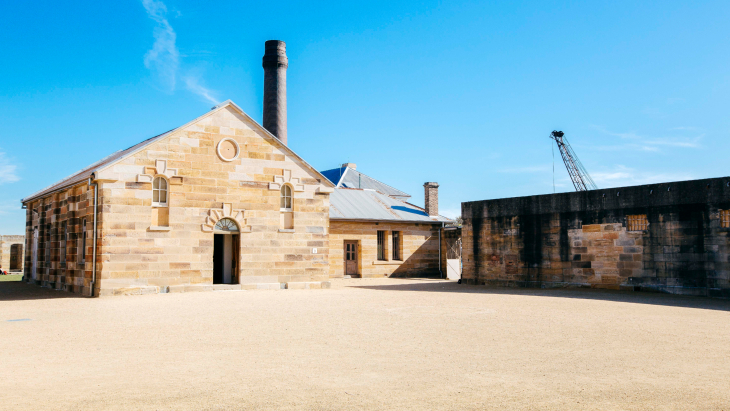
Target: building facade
{"x":671,"y":237}
{"x":222,"y":203}
{"x":376,"y":232}
{"x":202,"y":204}
{"x":11,"y":253}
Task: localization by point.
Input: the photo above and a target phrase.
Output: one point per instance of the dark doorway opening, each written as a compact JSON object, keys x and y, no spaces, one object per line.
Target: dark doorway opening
{"x":225,"y":258}
{"x":16,"y":254}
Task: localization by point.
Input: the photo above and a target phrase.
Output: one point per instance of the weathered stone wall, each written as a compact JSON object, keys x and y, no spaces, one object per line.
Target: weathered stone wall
{"x":6,"y":243}
{"x":581,"y":239}
{"x":47,"y":216}
{"x":137,"y":252}
{"x":419,"y":253}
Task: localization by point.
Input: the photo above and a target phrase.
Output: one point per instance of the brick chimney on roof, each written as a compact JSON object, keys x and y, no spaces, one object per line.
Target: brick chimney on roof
{"x":275,"y":63}
{"x":432,"y":199}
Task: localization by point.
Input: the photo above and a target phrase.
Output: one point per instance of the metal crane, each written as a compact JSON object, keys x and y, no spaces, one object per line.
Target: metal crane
{"x":578,"y":174}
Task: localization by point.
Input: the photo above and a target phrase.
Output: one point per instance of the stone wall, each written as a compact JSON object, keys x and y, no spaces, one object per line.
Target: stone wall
{"x":140,"y":251}
{"x":582,"y":239}
{"x":48,"y":217}
{"x":419,"y":253}
{"x":6,"y":243}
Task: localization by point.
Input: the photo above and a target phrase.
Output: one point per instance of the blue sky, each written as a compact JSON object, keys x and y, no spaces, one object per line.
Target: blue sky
{"x":462,"y":93}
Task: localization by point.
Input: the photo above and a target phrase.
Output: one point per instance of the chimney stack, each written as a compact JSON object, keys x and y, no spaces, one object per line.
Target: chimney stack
{"x":432,"y":199}
{"x":275,"y":64}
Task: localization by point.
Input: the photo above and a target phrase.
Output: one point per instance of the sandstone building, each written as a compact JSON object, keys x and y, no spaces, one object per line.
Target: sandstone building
{"x":375,"y":232}
{"x":670,"y":237}
{"x":11,"y":253}
{"x":222,"y":203}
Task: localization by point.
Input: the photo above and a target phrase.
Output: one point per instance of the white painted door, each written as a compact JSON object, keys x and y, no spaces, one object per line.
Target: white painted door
{"x":453,"y":269}
{"x":34,"y":265}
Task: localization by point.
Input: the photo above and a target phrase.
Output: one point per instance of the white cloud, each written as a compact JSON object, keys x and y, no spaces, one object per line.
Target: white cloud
{"x":164,"y":57}
{"x":7,"y":170}
{"x":193,"y":84}
{"x":644,"y":143}
{"x":621,"y":176}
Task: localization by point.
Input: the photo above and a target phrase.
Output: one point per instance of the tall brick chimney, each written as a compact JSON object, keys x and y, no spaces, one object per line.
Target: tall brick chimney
{"x":275,"y":64}
{"x":432,"y":198}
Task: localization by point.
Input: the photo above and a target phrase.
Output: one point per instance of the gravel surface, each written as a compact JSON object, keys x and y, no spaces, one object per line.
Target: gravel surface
{"x":364,"y":344}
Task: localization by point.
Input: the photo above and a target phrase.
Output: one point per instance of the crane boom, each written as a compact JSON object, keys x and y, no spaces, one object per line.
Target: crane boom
{"x":582,"y":181}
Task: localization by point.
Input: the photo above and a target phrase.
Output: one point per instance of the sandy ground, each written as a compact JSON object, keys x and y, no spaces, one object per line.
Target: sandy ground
{"x":364,"y":344}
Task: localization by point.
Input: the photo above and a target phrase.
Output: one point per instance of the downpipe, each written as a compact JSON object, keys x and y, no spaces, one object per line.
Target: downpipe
{"x":93,"y":258}
{"x":441,"y":272}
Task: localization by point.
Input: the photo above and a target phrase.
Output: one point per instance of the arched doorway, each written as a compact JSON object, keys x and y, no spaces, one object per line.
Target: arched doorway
{"x":16,"y":256}
{"x":225,"y":251}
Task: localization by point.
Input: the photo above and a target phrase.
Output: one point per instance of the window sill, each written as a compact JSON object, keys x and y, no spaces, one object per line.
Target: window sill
{"x":159,"y":205}
{"x":159,"y":228}
{"x":392,"y":262}
{"x":286,"y":230}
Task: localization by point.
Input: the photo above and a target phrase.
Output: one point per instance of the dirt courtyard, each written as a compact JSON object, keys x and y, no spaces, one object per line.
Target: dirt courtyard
{"x":364,"y":344}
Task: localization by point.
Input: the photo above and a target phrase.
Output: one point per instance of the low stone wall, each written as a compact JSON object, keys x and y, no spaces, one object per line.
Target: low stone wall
{"x":584,"y":239}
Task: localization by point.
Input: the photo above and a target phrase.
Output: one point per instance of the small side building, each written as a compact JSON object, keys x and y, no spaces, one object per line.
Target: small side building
{"x":670,"y":237}
{"x":11,"y":253}
{"x":375,"y":232}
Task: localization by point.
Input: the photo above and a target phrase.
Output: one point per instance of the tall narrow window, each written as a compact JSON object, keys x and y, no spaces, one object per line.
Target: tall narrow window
{"x":725,"y":218}
{"x":48,"y":243}
{"x":285,"y":198}
{"x":83,"y":242}
{"x":396,"y":245}
{"x":637,"y":222}
{"x":381,"y":245}
{"x":64,"y":238}
{"x":159,"y":192}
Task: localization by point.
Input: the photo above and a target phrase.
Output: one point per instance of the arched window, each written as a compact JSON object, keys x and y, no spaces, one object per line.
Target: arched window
{"x":227,"y":225}
{"x":285,"y":198}
{"x":159,"y":192}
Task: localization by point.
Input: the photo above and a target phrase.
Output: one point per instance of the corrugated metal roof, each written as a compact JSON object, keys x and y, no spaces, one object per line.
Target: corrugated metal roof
{"x":355,"y":204}
{"x":347,"y":177}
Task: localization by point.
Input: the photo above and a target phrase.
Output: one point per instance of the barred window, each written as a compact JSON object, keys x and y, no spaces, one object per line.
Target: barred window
{"x":381,"y":245}
{"x":637,"y":222}
{"x":725,"y":218}
{"x":396,"y":245}
{"x":159,"y":192}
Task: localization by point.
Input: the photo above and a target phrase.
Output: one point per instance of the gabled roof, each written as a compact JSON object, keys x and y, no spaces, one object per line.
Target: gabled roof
{"x":346,"y":177}
{"x":85,"y":173}
{"x":358,"y":204}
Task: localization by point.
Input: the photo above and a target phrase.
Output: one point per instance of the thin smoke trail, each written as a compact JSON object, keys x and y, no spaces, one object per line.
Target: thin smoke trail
{"x":163,"y":59}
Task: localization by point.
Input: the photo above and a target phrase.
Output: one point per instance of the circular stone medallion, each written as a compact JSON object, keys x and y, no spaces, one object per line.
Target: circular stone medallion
{"x":228,"y":149}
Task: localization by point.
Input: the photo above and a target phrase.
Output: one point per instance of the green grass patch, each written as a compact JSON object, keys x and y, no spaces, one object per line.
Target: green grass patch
{"x":11,"y":277}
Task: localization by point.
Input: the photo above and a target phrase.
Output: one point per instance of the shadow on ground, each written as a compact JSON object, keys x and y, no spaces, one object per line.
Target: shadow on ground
{"x":18,"y":290}
{"x":634,"y":297}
